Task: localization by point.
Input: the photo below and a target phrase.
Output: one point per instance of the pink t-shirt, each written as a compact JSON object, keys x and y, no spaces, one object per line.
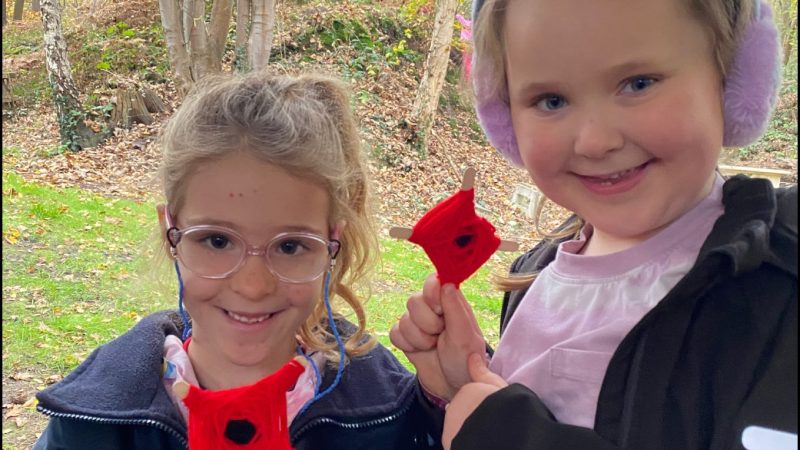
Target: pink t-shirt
{"x":562,"y":336}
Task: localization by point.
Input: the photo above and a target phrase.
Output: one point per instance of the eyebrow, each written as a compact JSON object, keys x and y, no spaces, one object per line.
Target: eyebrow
{"x":224,"y":223}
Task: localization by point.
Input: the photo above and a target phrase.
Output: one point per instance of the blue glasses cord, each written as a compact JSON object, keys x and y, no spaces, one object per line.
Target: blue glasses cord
{"x":340,"y":344}
{"x":187,"y":328}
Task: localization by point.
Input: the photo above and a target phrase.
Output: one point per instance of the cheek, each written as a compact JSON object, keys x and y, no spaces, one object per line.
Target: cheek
{"x":544,"y":150}
{"x":303,"y":296}
{"x":682,"y":128}
{"x":198,"y":290}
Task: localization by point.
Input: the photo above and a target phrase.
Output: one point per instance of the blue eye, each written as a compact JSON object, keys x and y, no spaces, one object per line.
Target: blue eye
{"x":550,"y":102}
{"x":638,"y":83}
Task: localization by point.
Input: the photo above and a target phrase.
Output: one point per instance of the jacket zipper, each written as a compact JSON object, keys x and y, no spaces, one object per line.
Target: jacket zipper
{"x":350,"y":426}
{"x":147,"y":422}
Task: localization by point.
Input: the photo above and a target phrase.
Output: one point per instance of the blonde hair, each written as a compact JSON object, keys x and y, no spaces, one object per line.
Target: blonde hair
{"x":304,"y":125}
{"x":723,"y":21}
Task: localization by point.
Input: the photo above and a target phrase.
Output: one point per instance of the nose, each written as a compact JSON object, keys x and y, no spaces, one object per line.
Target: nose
{"x":597,"y":136}
{"x":254,"y":280}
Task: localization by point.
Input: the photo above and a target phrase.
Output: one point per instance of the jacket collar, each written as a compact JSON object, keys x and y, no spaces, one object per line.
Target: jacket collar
{"x":746,"y":231}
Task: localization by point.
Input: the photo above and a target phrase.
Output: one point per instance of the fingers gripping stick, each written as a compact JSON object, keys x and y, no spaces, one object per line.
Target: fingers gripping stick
{"x":456,"y":240}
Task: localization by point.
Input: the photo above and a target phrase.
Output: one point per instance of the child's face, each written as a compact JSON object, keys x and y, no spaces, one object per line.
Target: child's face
{"x":616,"y":107}
{"x":257,"y":200}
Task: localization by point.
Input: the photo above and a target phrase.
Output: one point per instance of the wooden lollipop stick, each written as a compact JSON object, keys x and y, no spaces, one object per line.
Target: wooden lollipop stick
{"x":400,"y":233}
{"x":468,"y":181}
{"x":181,"y":389}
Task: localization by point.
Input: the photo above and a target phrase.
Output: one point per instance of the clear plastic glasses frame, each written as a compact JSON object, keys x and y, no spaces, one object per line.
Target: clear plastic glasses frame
{"x":216,"y":252}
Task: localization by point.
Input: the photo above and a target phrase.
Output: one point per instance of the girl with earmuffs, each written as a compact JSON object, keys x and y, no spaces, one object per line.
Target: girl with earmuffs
{"x":663,"y":313}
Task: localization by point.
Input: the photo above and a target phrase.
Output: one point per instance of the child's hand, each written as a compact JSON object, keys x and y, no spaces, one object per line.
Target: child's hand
{"x":437,"y":334}
{"x":469,"y":397}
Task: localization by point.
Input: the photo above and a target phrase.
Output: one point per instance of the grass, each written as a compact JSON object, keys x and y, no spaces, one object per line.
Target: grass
{"x":75,"y":275}
{"x":72,"y":262}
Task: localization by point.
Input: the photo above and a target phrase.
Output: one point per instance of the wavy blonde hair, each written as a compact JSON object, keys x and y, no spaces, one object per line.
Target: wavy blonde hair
{"x":723,"y":21}
{"x":304,"y":125}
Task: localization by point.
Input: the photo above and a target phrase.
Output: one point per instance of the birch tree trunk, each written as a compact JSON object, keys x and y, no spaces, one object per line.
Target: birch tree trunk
{"x":262,"y":27}
{"x":74,"y":132}
{"x":195,"y":47}
{"x":195,"y":30}
{"x":218,"y":30}
{"x":242,"y":35}
{"x":171,"y":20}
{"x":427,"y":99}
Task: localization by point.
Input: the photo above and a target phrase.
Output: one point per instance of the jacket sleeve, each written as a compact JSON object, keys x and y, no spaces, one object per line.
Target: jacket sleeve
{"x":514,"y":418}
{"x":771,"y":404}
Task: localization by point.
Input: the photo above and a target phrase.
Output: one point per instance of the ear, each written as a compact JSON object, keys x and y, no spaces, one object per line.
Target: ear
{"x":161,"y":210}
{"x":338,"y":229}
{"x":162,"y":219}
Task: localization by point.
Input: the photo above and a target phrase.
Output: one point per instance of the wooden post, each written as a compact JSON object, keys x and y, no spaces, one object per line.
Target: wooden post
{"x":130,"y":108}
{"x":8,"y":96}
{"x":18,"y":4}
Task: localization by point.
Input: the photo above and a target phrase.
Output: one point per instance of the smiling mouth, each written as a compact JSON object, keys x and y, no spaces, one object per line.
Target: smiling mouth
{"x":249,"y":319}
{"x":608,"y":180}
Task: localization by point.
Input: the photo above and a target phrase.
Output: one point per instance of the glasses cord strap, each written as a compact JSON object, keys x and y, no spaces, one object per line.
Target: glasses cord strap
{"x":340,"y":344}
{"x":187,"y":327}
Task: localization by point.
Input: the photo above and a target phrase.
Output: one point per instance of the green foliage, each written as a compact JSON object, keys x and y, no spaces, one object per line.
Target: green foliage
{"x":120,"y":49}
{"x":367,"y":46}
{"x":69,"y":123}
{"x":21,"y":41}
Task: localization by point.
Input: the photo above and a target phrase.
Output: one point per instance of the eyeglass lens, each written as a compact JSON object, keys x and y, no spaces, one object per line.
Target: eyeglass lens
{"x":216,"y":252}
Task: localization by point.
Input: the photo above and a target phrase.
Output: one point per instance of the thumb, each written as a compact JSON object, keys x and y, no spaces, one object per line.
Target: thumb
{"x":458,"y":316}
{"x":480,"y":373}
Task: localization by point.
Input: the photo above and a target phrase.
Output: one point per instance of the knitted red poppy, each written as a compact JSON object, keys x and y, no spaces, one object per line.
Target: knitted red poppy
{"x":244,"y":418}
{"x":455,"y":239}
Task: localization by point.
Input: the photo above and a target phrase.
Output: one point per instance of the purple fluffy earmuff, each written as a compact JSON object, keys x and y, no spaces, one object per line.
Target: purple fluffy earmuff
{"x":751,"y":88}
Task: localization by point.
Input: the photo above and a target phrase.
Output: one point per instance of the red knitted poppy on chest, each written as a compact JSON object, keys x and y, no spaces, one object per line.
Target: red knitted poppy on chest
{"x":245,"y":418}
{"x":455,"y":239}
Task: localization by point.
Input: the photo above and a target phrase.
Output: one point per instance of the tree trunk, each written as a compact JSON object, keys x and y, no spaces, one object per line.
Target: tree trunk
{"x":176,"y":44}
{"x":152,"y":101}
{"x":18,"y":5}
{"x":198,"y":38}
{"x":74,"y":132}
{"x":4,"y":13}
{"x":218,"y":30}
{"x":36,"y":5}
{"x":433,"y":75}
{"x":242,"y":35}
{"x":130,"y":108}
{"x":262,"y":27}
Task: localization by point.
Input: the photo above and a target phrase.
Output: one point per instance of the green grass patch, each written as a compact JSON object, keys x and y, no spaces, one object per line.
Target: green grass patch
{"x":72,"y":263}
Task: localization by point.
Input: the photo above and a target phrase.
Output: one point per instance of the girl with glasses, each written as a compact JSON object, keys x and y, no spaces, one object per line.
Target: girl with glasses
{"x":266,"y":223}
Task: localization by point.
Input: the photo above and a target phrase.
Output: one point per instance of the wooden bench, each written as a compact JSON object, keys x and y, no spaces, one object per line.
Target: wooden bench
{"x":773,"y":175}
